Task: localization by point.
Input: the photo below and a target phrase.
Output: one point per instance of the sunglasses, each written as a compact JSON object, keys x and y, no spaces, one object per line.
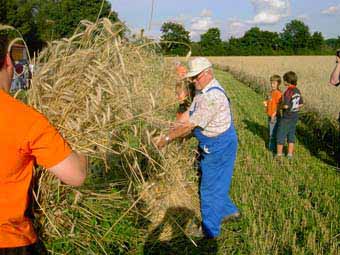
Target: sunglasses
{"x":197,"y":77}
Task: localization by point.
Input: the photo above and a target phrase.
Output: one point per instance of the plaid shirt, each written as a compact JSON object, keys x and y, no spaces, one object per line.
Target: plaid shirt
{"x":211,"y":111}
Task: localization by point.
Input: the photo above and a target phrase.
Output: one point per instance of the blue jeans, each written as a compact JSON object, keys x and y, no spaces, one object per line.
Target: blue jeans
{"x":272,"y":133}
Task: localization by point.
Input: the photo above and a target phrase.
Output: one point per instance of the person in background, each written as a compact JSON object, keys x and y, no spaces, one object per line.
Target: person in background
{"x":335,"y":76}
{"x":185,"y":93}
{"x":292,"y":102}
{"x":181,"y":70}
{"x":26,"y":138}
{"x":273,"y":110}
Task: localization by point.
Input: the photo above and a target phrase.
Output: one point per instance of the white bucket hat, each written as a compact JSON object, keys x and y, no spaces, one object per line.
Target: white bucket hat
{"x":198,"y":65}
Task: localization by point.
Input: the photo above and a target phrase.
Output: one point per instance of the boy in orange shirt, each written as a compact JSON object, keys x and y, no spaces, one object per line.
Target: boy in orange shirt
{"x":26,"y":139}
{"x":272,"y":109}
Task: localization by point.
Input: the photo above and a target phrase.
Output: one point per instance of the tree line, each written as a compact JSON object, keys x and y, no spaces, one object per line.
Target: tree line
{"x":40,"y":21}
{"x":295,"y":39}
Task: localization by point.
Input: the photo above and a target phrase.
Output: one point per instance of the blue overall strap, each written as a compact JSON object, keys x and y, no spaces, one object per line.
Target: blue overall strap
{"x":220,"y":89}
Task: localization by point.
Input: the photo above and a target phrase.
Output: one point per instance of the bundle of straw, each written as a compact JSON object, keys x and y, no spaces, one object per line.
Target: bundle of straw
{"x":108,"y":96}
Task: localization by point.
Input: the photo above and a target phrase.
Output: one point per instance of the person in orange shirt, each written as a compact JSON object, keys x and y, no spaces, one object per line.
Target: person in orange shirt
{"x":26,"y":139}
{"x":273,"y":110}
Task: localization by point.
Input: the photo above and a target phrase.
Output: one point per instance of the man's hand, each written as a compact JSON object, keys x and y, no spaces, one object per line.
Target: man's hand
{"x":285,"y":106}
{"x":265,"y":103}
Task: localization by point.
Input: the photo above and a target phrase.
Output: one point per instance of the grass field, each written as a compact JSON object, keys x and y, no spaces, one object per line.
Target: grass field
{"x":288,"y":207}
{"x":313,"y":73}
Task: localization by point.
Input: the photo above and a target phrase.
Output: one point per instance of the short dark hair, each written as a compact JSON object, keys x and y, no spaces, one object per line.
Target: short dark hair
{"x":3,"y":49}
{"x":291,"y":78}
{"x":277,"y":78}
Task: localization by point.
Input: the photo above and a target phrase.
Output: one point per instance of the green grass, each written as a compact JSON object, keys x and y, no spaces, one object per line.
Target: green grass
{"x":288,"y":207}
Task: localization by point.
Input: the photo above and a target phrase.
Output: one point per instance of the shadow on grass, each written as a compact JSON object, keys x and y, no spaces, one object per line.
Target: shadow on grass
{"x":257,"y":129}
{"x":175,"y":221}
{"x":322,"y":145}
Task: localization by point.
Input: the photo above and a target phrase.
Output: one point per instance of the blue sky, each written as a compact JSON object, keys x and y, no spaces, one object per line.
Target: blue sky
{"x":233,"y":17}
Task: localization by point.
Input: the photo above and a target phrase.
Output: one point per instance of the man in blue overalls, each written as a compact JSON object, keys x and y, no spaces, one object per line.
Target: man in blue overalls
{"x":210,"y":119}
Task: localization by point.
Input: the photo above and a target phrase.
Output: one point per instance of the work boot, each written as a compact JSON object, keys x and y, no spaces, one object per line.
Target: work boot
{"x":195,"y":231}
{"x":231,"y":217}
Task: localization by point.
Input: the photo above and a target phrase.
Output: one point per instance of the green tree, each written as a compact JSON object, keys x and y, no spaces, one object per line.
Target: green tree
{"x":43,"y":20}
{"x":3,"y":11}
{"x":317,"y":41}
{"x":233,"y":47}
{"x":295,"y":36}
{"x":20,"y":14}
{"x":258,"y":42}
{"x":333,"y":43}
{"x":175,"y":39}
{"x":57,"y":19}
{"x":196,"y":49}
{"x":211,"y":43}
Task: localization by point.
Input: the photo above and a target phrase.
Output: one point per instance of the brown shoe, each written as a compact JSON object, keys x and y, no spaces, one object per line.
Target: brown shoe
{"x":231,"y":217}
{"x":195,"y":231}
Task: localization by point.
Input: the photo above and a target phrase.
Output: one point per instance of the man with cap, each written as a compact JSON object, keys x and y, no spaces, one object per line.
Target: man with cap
{"x":210,"y":119}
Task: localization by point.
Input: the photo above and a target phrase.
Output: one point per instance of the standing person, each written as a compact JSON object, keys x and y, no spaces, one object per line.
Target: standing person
{"x":335,"y":76}
{"x":292,"y":102}
{"x":184,"y":93}
{"x":273,"y":110}
{"x":211,"y":121}
{"x":26,"y":138}
{"x":181,"y":70}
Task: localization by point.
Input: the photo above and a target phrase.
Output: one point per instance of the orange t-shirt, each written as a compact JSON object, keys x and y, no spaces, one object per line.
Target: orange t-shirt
{"x":26,"y":138}
{"x":273,"y":102}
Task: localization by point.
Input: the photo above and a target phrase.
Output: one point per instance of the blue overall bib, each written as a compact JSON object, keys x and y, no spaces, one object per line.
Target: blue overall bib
{"x":217,"y":158}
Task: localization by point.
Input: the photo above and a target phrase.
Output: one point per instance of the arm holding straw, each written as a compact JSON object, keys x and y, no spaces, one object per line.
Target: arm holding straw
{"x":179,"y":129}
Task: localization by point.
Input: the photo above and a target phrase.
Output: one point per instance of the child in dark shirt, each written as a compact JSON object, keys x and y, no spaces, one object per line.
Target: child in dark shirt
{"x":292,"y":102}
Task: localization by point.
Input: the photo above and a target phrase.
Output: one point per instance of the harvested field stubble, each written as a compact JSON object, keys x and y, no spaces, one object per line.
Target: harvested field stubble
{"x":107,"y":96}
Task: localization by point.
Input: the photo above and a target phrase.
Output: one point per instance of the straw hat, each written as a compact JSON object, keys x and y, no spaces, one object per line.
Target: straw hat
{"x":198,"y":65}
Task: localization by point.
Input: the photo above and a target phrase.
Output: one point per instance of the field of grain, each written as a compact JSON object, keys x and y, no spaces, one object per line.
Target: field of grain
{"x":313,"y":73}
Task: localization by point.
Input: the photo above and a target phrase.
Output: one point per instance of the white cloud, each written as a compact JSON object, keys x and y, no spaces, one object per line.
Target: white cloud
{"x":267,"y":12}
{"x":237,"y":28}
{"x":335,"y":9}
{"x":270,"y":11}
{"x":200,"y":24}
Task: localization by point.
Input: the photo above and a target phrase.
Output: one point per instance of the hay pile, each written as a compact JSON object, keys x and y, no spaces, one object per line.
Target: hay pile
{"x":108,"y":97}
